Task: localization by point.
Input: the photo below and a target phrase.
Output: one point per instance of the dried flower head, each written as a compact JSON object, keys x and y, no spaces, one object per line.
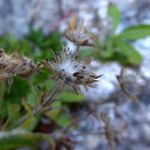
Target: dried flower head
{"x":79,"y":35}
{"x":71,"y":71}
{"x":15,"y":64}
{"x":131,"y":83}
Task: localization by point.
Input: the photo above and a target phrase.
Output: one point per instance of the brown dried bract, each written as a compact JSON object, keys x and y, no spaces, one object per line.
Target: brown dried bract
{"x":78,"y":34}
{"x":15,"y":64}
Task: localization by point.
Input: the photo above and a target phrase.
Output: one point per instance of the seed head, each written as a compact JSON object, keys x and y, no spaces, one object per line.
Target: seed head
{"x":79,"y":35}
{"x":72,"y":71}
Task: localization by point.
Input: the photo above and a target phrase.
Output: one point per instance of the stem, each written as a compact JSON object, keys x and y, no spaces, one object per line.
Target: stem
{"x":43,"y":107}
{"x":51,"y":97}
{"x":91,"y":110}
{"x":48,"y":101}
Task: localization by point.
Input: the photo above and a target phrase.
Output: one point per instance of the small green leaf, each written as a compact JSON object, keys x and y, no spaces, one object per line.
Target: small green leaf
{"x":129,"y":51}
{"x":107,"y":50}
{"x":13,"y":114}
{"x":56,"y":104}
{"x":29,"y":123}
{"x":20,"y":88}
{"x":22,"y":139}
{"x":49,"y":84}
{"x":13,"y":110}
{"x":135,"y":32}
{"x":86,"y":53}
{"x":53,"y":114}
{"x":31,"y":100}
{"x":2,"y":91}
{"x":114,"y":13}
{"x":63,"y":120}
{"x":27,"y":107}
{"x":71,"y":97}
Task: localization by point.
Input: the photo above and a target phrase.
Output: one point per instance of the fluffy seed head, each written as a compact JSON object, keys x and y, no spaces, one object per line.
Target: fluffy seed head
{"x":72,"y":71}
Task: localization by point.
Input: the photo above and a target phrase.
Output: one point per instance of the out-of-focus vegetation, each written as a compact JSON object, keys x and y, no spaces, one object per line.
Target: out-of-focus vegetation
{"x":118,"y":47}
{"x":18,"y":97}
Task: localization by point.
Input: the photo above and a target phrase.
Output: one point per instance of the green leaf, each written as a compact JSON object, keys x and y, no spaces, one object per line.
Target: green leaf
{"x":2,"y":91}
{"x":28,"y":107}
{"x":106,"y":51}
{"x":109,"y":48}
{"x":114,"y":13}
{"x":31,"y":99}
{"x":21,"y":139}
{"x":13,"y":114}
{"x":86,"y":53}
{"x":135,"y":32}
{"x":129,"y":51}
{"x":13,"y":110}
{"x":20,"y":88}
{"x":30,"y":123}
{"x":71,"y":97}
{"x":63,"y":120}
{"x":56,"y":107}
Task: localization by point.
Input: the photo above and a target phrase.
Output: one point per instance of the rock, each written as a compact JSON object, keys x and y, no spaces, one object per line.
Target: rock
{"x":16,"y":16}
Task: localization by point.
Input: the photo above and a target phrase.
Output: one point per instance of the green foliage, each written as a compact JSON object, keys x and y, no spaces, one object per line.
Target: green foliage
{"x":115,"y":14}
{"x":63,"y":120}
{"x":37,"y":46}
{"x":24,"y":92}
{"x":10,"y":43}
{"x":118,"y":47}
{"x":132,"y":56}
{"x":135,"y":32}
{"x":42,"y":44}
{"x":29,"y":123}
{"x":55,"y":111}
{"x":17,"y":104}
{"x":71,"y":97}
{"x":13,"y":114}
{"x":86,"y":52}
{"x":2,"y":90}
{"x":19,"y":88}
{"x":20,"y":138}
{"x":57,"y":114}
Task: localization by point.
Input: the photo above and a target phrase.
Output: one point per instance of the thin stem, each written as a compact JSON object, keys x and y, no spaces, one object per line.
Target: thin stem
{"x":91,"y":110}
{"x":48,"y":101}
{"x":43,"y":107}
{"x":51,"y":97}
{"x":64,"y":130}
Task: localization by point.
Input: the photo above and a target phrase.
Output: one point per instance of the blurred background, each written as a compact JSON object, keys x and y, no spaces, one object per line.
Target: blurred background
{"x":122,"y":28}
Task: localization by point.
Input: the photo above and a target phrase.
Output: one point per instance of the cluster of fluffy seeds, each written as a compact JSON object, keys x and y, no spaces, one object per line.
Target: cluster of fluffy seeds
{"x":15,"y":64}
{"x":71,"y":71}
